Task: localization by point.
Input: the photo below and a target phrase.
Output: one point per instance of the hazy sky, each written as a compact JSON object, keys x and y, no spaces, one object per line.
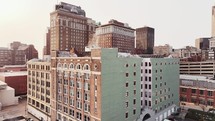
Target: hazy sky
{"x":176,"y":22}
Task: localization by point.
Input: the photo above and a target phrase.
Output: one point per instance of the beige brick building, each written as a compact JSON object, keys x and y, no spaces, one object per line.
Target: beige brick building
{"x":39,"y":89}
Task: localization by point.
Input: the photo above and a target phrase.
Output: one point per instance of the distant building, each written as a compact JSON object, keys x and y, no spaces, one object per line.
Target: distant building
{"x":5,"y":56}
{"x":68,"y":28}
{"x":202,"y":43}
{"x":165,"y":50}
{"x":7,"y":97}
{"x":187,"y":52}
{"x":39,"y":89}
{"x":47,"y":49}
{"x":213,"y":22}
{"x":116,"y":34}
{"x":203,"y":68}
{"x":16,"y":80}
{"x":145,"y":39}
{"x":17,"y":54}
{"x":24,"y":53}
{"x":199,"y":90}
{"x":11,"y":68}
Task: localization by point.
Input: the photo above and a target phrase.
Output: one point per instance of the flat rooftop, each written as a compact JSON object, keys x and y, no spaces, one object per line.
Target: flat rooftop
{"x":196,"y":77}
{"x":8,"y":74}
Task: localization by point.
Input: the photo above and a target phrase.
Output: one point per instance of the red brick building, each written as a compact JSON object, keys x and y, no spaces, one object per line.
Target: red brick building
{"x":197,"y":90}
{"x":9,"y":68}
{"x":116,"y":35}
{"x":16,"y":80}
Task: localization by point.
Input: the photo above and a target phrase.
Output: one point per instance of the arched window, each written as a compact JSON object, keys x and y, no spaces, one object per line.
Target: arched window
{"x":71,"y":66}
{"x":86,"y":67}
{"x":65,"y":66}
{"x":59,"y":65}
{"x":78,"y":66}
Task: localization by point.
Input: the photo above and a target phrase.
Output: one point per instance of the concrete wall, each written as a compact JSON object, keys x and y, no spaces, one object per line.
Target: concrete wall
{"x":7,"y":97}
{"x":114,"y":87}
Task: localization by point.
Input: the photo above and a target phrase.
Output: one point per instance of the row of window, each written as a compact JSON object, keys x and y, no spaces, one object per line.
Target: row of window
{"x":38,"y":105}
{"x":201,"y":92}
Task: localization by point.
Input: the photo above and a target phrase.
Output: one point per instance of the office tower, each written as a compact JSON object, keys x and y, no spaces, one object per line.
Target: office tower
{"x":116,"y":35}
{"x":145,"y":40}
{"x":202,"y":43}
{"x":47,"y":47}
{"x":213,"y":22}
{"x":39,"y":89}
{"x":68,"y":28}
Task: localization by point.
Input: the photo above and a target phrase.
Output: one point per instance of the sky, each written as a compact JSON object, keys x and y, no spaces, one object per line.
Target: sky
{"x":176,"y":22}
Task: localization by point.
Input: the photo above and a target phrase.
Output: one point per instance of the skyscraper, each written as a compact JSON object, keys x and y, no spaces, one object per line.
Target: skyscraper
{"x":213,"y":22}
{"x":116,"y":35}
{"x":145,"y":39}
{"x":68,"y":28}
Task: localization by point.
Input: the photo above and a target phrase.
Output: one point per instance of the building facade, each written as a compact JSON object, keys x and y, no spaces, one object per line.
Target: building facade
{"x":7,"y":97}
{"x":145,"y":39}
{"x":198,"y":68}
{"x":17,"y":54}
{"x":39,"y":89}
{"x":5,"y":56}
{"x":16,"y":80}
{"x":116,"y":35}
{"x":165,"y":50}
{"x":213,"y":22}
{"x":199,"y":90}
{"x":159,"y":88}
{"x":83,"y":87}
{"x":202,"y":43}
{"x":68,"y":28}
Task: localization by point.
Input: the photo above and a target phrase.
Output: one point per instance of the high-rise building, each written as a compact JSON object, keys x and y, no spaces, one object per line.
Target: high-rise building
{"x":213,"y":22}
{"x":68,"y":28}
{"x":116,"y":35}
{"x":202,"y":43}
{"x":47,"y":47}
{"x":39,"y":89}
{"x":145,"y":39}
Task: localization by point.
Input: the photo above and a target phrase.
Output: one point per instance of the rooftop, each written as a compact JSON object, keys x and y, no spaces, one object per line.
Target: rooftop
{"x":196,"y":77}
{"x":8,"y":74}
{"x":12,"y":66}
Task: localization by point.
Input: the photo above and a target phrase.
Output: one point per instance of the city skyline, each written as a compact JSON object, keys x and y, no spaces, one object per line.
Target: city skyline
{"x":28,"y":23}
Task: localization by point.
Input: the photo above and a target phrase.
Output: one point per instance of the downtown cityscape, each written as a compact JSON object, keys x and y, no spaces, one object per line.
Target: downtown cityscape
{"x":90,"y":71}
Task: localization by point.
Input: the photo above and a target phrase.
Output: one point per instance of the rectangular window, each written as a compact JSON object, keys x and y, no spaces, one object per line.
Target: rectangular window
{"x":126,"y":104}
{"x":126,"y":74}
{"x":194,"y":91}
{"x":184,"y":89}
{"x":134,"y":83}
{"x":126,"y":115}
{"x":134,"y":111}
{"x":126,"y":84}
{"x":134,"y":73}
{"x":201,"y":92}
{"x":210,"y":93}
{"x":134,"y":101}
